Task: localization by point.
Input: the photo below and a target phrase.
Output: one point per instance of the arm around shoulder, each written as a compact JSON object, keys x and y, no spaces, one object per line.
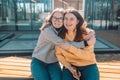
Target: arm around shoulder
{"x":51,"y":35}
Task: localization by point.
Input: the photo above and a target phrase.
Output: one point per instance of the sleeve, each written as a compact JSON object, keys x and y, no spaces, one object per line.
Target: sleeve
{"x":54,"y":38}
{"x":77,"y":44}
{"x":51,"y":36}
{"x":61,"y":57}
{"x":84,"y":53}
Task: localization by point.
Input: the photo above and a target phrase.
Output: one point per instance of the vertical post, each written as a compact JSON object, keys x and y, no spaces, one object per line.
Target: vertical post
{"x":24,"y":11}
{"x":3,"y":10}
{"x":31,"y":14}
{"x":83,"y":7}
{"x":106,"y":16}
{"x":53,"y":1}
{"x":15,"y":12}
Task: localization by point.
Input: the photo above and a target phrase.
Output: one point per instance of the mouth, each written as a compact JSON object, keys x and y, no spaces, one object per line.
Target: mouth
{"x":68,"y":25}
{"x":57,"y":24}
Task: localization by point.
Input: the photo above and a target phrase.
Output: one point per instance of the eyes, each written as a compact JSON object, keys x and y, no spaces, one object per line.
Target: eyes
{"x":70,"y":19}
{"x":59,"y":18}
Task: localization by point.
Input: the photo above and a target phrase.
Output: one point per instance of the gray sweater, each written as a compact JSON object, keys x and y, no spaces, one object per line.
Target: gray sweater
{"x":45,"y":48}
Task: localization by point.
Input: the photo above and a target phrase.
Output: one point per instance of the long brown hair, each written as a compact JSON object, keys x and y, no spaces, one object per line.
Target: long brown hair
{"x":78,"y":36}
{"x":48,"y":20}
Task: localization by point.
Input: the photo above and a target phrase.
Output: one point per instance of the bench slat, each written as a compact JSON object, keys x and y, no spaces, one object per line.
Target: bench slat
{"x":109,"y":67}
{"x":22,"y":68}
{"x":15,"y":64}
{"x":110,"y":75}
{"x":103,"y":78}
{"x":12,"y":60}
{"x":109,"y":70}
{"x":13,"y":76}
{"x":109,"y":63}
{"x":15,"y":72}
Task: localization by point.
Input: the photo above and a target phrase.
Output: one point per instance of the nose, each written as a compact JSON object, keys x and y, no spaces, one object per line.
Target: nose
{"x":67,"y":21}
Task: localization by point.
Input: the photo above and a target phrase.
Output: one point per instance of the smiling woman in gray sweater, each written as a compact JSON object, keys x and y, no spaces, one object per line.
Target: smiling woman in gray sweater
{"x":44,"y":65}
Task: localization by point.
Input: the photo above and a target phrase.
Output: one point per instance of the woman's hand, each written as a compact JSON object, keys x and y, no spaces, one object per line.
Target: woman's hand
{"x":91,"y":41}
{"x":88,"y":35}
{"x":90,"y":38}
{"x":75,"y":72}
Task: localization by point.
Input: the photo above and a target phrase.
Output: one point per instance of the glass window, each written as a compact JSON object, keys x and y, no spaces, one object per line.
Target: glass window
{"x":23,"y":14}
{"x":102,"y":14}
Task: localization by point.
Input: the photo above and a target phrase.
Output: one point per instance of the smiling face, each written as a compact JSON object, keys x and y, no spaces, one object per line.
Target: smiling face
{"x":57,"y":19}
{"x":70,"y":21}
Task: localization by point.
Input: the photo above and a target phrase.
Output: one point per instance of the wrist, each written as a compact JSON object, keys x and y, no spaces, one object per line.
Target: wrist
{"x":85,"y":43}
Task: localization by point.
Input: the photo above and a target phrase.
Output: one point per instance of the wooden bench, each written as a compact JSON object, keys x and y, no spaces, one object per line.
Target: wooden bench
{"x":17,"y":68}
{"x":109,"y":70}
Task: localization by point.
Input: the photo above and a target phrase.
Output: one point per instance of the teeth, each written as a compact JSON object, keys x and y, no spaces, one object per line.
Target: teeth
{"x":69,"y":25}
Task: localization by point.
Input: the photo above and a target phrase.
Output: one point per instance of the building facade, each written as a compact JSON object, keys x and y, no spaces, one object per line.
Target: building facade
{"x":18,"y":15}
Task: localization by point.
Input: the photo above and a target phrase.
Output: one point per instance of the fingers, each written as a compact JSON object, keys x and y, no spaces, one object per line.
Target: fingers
{"x":76,"y":73}
{"x":86,"y":37}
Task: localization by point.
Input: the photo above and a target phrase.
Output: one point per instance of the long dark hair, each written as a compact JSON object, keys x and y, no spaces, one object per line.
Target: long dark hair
{"x":78,"y":36}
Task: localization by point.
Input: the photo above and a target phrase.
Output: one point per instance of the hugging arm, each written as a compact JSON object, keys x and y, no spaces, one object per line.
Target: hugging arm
{"x":82,"y":53}
{"x":54,"y":38}
{"x":88,"y":38}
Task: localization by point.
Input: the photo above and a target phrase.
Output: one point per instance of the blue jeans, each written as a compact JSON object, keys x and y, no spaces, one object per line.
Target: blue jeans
{"x":44,"y":71}
{"x":89,"y":72}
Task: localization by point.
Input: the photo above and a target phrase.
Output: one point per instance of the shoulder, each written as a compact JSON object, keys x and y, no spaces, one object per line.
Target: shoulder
{"x":47,"y":29}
